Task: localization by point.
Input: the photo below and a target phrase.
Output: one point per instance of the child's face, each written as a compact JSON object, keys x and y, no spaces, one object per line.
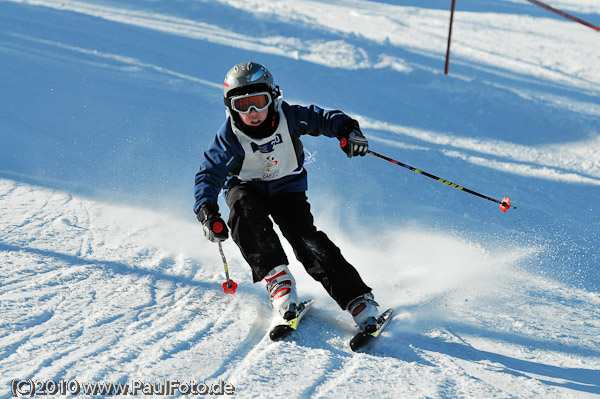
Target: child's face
{"x":254,"y":118}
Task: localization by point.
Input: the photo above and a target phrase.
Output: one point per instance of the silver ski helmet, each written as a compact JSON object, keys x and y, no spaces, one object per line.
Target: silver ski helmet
{"x":248,"y":77}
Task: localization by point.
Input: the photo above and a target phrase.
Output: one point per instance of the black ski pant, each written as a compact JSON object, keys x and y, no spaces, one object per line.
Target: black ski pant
{"x":252,"y":230}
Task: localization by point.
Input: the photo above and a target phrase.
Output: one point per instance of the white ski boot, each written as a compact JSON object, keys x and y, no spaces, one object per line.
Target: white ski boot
{"x":365,"y":313}
{"x":281,"y":287}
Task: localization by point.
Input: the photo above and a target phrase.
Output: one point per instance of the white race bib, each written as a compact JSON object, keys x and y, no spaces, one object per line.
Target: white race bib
{"x":270,"y":158}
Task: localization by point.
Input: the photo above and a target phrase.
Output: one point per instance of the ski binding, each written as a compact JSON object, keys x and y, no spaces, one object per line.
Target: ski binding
{"x":361,"y":339}
{"x":285,"y":328}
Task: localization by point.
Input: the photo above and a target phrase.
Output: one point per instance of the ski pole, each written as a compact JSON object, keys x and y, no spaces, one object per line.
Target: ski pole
{"x":504,"y":204}
{"x":229,"y":286}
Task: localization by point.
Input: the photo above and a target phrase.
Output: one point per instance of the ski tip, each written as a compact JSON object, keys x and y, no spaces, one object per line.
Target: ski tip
{"x":287,"y":327}
{"x":505,"y":205}
{"x":280,"y":332}
{"x":359,"y":341}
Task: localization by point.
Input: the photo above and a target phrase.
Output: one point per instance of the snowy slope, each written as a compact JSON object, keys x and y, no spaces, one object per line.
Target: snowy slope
{"x":105,"y":276}
{"x":95,"y":292}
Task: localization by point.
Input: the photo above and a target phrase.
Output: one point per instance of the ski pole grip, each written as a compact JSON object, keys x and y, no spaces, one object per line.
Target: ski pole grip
{"x":217,"y":227}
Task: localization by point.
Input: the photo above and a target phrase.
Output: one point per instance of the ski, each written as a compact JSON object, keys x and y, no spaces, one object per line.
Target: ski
{"x":361,"y":339}
{"x":285,"y":328}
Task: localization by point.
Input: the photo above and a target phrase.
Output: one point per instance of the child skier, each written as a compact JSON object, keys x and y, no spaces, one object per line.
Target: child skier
{"x":257,"y":157}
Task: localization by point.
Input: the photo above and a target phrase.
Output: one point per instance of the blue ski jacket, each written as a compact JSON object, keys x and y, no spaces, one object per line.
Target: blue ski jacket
{"x":274,"y":165}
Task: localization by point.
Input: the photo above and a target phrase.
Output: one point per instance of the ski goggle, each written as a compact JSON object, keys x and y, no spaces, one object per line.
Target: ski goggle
{"x":244,"y":104}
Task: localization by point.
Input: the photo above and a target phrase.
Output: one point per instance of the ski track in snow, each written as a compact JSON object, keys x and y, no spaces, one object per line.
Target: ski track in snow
{"x":75,"y":295}
{"x":420,"y":29}
{"x":570,"y":162}
{"x":100,"y":293}
{"x":574,"y":162}
{"x":106,"y":293}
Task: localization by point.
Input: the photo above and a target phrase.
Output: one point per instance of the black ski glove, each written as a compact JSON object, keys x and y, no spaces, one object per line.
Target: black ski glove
{"x":352,"y":141}
{"x":215,"y":228}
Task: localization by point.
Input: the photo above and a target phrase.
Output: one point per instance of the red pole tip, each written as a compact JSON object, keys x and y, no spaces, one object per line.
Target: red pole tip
{"x":229,"y":290}
{"x":217,"y":227}
{"x":505,"y":205}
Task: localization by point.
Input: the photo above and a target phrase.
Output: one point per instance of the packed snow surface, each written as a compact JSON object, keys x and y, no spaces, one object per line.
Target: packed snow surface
{"x":105,"y":276}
